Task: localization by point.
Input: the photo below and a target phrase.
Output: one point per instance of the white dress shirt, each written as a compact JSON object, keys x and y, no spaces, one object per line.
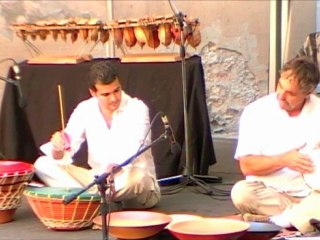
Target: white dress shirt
{"x":130,"y":124}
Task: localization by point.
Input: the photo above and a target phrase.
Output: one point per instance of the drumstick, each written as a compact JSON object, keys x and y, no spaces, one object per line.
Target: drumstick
{"x":61,"y":106}
{"x":62,"y":117}
{"x":61,"y":114}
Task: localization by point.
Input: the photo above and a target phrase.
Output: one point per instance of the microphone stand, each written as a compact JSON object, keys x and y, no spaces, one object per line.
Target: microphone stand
{"x":190,"y":177}
{"x":16,"y":83}
{"x":9,"y":80}
{"x":102,"y":187}
{"x":21,"y":101}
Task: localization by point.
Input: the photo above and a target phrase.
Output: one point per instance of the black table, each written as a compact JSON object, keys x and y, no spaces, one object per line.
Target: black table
{"x":159,"y":85}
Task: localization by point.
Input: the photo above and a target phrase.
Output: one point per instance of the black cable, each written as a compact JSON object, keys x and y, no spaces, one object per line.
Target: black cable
{"x":195,"y":189}
{"x":215,"y":191}
{"x":9,"y":59}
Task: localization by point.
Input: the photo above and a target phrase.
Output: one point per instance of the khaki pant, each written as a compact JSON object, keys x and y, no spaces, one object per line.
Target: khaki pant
{"x":133,"y":186}
{"x":256,"y":198}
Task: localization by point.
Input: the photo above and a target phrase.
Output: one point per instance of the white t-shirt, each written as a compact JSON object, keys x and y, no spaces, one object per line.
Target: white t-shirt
{"x":130,"y":124}
{"x":266,"y":129}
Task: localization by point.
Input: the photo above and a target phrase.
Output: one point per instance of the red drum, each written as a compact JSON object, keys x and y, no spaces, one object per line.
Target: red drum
{"x":14,"y":177}
{"x":47,"y":204}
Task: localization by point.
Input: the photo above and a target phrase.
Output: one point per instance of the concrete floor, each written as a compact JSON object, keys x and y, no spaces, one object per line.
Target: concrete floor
{"x":175,"y":199}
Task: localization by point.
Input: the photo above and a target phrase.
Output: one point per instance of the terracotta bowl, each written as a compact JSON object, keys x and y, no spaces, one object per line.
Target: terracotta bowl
{"x":135,"y":224}
{"x":261,"y":231}
{"x":209,"y":229}
{"x":181,"y":218}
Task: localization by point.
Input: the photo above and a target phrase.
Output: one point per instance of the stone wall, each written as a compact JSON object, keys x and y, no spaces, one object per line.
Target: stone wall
{"x":230,"y":85}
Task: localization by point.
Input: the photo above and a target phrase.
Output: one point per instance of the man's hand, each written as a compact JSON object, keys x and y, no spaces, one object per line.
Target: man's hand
{"x":110,"y":180}
{"x":298,"y":161}
{"x":109,"y":169}
{"x":262,"y":165}
{"x":60,"y":143}
{"x":57,"y":141}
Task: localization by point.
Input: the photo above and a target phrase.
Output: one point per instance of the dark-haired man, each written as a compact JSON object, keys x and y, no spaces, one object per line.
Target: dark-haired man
{"x":115,"y":126}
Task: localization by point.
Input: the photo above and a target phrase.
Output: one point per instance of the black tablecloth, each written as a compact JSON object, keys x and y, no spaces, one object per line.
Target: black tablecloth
{"x":159,"y":85}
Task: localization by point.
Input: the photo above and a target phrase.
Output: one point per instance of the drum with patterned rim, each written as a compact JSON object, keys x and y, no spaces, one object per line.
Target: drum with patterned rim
{"x":14,"y":176}
{"x":47,"y":204}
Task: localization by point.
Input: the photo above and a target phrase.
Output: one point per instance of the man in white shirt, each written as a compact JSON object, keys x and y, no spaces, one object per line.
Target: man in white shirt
{"x":115,"y":127}
{"x":278,"y":136}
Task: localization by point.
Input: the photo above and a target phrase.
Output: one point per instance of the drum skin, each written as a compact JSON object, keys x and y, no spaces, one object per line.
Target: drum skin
{"x":47,"y":204}
{"x":12,"y":172}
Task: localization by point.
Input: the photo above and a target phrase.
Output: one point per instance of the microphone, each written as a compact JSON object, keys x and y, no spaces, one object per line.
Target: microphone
{"x":175,"y":146}
{"x":16,"y":70}
{"x":181,"y":20}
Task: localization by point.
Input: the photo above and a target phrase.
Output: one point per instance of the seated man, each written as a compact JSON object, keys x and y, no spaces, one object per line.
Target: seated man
{"x":115,"y":126}
{"x":278,"y":133}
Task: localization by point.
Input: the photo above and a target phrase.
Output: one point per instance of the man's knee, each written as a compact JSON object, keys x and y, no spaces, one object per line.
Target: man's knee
{"x":241,"y":193}
{"x":137,"y":182}
{"x":138,"y":176}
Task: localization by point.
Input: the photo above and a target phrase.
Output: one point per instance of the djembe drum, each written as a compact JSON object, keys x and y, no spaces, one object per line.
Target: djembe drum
{"x":14,"y":176}
{"x":47,"y":204}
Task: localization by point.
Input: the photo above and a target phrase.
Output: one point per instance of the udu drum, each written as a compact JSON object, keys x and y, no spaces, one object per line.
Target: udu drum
{"x":47,"y":204}
{"x":14,"y":176}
